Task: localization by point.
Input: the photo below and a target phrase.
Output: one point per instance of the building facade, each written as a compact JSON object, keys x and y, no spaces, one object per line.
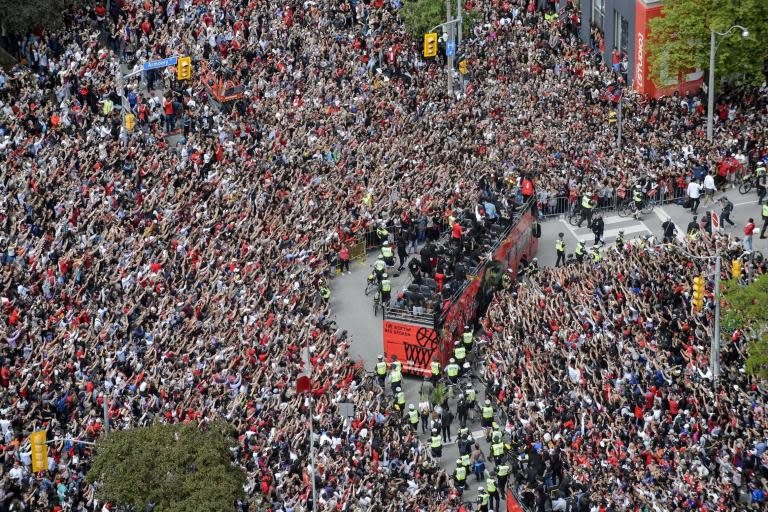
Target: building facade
{"x":619,"y":29}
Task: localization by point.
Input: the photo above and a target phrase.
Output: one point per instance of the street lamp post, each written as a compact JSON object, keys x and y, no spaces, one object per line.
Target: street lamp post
{"x":711,"y":87}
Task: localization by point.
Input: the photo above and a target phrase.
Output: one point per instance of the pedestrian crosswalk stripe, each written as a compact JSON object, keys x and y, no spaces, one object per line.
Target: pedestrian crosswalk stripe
{"x":610,"y":233}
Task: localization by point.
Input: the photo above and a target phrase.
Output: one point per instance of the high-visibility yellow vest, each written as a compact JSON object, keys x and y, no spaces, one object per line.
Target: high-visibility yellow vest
{"x":381,"y":368}
{"x":435,"y":367}
{"x":386,"y":285}
{"x":471,"y":396}
{"x":460,"y":353}
{"x":496,"y":436}
{"x":382,"y":232}
{"x":325,"y":292}
{"x":465,"y":460}
{"x":490,"y":484}
{"x":483,"y":498}
{"x":487,"y":412}
{"x":579,"y":249}
{"x":452,"y":370}
{"x":398,"y":366}
{"x":107,"y":107}
{"x":413,"y":417}
{"x":596,"y":256}
{"x":387,"y":252}
{"x":467,"y":337}
{"x":460,"y":473}
{"x":502,"y":470}
{"x":400,"y":398}
{"x":396,"y":375}
{"x":637,"y":196}
{"x":435,"y":442}
{"x":498,"y":450}
{"x":380,"y":265}
{"x":765,"y":210}
{"x":586,"y":202}
{"x":560,"y":246}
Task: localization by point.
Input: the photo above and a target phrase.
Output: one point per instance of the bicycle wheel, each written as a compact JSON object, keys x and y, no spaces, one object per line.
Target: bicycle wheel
{"x":648,"y":208}
{"x":368,"y":289}
{"x":625,"y":210}
{"x":574,"y":219}
{"x":745,"y":186}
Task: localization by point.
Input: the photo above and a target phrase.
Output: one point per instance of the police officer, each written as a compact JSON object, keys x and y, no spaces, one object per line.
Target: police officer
{"x":595,"y":253}
{"x":482,"y":499}
{"x":493,"y":491}
{"x":502,"y":473}
{"x":325,"y":292}
{"x":395,"y":373}
{"x":693,"y":228}
{"x":400,"y":399}
{"x":765,"y":220}
{"x":487,"y":420}
{"x":462,"y":409}
{"x":452,"y":371}
{"x":620,"y":241}
{"x":434,"y":368}
{"x":459,"y":354}
{"x":387,"y":254}
{"x":579,"y":252}
{"x":497,"y":450}
{"x":382,"y":233}
{"x":460,"y":476}
{"x":587,"y":206}
{"x":413,"y":418}
{"x":379,"y":267}
{"x":598,"y":228}
{"x":436,"y":444}
{"x":468,"y":338}
{"x":471,"y":395}
{"x":638,"y":198}
{"x":386,"y":289}
{"x":560,"y":249}
{"x":381,"y":370}
{"x":762,"y":181}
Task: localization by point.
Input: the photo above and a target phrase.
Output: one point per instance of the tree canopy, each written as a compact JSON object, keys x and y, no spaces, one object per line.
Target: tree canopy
{"x":420,"y":16}
{"x":746,"y":307}
{"x":178,"y":468}
{"x":679,"y":40}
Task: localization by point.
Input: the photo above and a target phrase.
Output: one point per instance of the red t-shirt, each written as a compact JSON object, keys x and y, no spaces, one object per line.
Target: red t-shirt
{"x":456,"y":230}
{"x":749,"y":229}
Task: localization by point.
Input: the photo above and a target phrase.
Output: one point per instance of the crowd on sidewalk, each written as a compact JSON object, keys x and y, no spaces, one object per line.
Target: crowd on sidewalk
{"x":604,"y":372}
{"x":178,"y":282}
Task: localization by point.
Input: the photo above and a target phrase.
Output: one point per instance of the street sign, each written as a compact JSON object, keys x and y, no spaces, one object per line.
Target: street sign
{"x":450,"y":49}
{"x":162,"y":63}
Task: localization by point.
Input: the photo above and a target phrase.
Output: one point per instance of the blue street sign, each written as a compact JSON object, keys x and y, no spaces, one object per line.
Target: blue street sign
{"x":450,"y":49}
{"x":162,"y":63}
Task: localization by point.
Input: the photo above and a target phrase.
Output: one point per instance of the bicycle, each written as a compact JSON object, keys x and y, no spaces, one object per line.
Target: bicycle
{"x":745,"y":184}
{"x":629,"y":209}
{"x":376,"y":303}
{"x":576,"y":216}
{"x":371,"y":285}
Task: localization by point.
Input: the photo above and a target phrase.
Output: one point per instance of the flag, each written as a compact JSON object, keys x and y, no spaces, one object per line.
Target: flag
{"x":302,"y":381}
{"x":39,"y":451}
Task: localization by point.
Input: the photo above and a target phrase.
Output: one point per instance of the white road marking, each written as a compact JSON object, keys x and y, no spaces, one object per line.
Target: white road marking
{"x":609,"y":233}
{"x":662,"y":214}
{"x":570,"y":228}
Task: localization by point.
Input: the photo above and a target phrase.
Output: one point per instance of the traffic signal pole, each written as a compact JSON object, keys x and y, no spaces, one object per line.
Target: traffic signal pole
{"x":449,"y":58}
{"x":714,"y":349}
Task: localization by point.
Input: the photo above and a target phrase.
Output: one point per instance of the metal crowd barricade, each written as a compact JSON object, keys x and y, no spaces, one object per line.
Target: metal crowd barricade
{"x":562,"y":205}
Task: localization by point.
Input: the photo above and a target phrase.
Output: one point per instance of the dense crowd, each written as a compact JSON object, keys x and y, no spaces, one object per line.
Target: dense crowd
{"x":178,"y":278}
{"x":603,"y":371}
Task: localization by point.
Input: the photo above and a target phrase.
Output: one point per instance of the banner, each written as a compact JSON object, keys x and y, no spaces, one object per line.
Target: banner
{"x":512,"y":504}
{"x":39,"y":451}
{"x":414,"y":345}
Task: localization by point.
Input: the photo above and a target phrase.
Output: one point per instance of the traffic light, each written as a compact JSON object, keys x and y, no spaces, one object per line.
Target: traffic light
{"x":463,"y":67}
{"x":612,"y":117}
{"x":736,"y":269}
{"x":184,"y":68}
{"x":130,"y":122}
{"x":430,"y":44}
{"x":698,"y":292}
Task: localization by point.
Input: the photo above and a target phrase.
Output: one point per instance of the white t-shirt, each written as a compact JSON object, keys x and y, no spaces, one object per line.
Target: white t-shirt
{"x":709,"y":182}
{"x":694,"y":190}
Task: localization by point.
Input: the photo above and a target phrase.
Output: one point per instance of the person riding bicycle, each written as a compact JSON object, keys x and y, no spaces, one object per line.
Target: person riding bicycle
{"x":638,"y":198}
{"x":579,"y":252}
{"x":379,"y":267}
{"x":387,"y":254}
{"x":460,"y":355}
{"x":587,"y":207}
{"x":386,"y":288}
{"x":452,"y":371}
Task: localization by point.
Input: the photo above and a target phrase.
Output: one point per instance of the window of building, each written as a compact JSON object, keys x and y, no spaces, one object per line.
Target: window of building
{"x":620,"y":32}
{"x":598,"y":13}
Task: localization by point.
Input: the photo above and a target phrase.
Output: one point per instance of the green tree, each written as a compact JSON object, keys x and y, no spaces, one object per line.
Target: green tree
{"x":179,"y":468}
{"x":20,"y":16}
{"x":419,"y":16}
{"x":745,"y":307}
{"x":679,"y":40}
